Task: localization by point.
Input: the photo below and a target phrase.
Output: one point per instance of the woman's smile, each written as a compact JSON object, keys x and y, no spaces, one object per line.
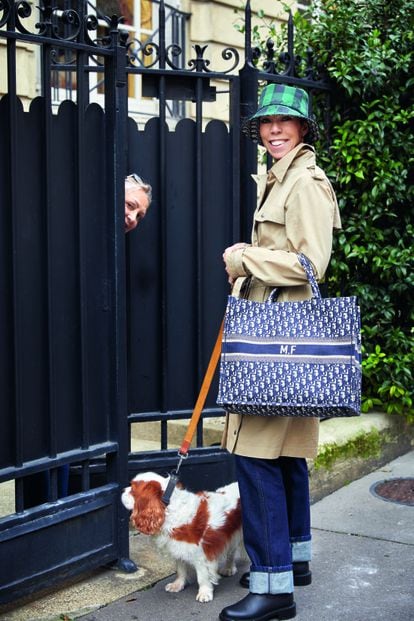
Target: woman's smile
{"x":280,"y":134}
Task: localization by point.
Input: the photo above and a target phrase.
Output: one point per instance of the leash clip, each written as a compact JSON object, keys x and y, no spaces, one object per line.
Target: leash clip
{"x":173,"y":480}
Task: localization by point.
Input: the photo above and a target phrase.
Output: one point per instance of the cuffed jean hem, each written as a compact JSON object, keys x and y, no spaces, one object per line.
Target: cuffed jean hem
{"x":262,"y":582}
{"x":301,"y":551}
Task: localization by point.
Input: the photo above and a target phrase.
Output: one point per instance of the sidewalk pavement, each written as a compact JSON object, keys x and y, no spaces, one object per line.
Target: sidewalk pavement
{"x":363,"y":564}
{"x":363,"y":569}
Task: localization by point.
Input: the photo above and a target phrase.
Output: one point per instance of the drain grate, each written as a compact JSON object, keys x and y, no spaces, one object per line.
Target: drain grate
{"x":399,"y":490}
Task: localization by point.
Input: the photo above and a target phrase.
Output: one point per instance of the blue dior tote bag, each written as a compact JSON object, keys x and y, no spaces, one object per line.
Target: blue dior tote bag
{"x":292,"y":358}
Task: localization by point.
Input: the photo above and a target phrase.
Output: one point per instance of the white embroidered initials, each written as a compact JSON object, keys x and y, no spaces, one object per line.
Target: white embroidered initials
{"x":287,"y":349}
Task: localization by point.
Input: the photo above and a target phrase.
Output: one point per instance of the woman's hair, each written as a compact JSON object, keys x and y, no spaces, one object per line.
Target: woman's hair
{"x":135,"y":180}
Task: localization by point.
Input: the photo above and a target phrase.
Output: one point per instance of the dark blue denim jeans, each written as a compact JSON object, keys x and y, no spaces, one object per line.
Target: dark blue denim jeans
{"x":276,"y":519}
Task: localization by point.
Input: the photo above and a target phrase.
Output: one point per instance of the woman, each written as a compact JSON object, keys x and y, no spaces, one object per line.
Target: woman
{"x":296,"y":213}
{"x":138,"y":196}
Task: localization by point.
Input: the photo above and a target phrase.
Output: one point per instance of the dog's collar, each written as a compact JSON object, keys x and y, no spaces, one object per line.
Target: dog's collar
{"x":170,"y":488}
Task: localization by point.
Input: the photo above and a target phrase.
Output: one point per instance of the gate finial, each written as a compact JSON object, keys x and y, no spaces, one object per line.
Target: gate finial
{"x":248,"y":32}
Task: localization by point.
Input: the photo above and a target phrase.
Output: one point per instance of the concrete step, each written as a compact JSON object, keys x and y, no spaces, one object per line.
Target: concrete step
{"x":144,"y":435}
{"x":350,"y":448}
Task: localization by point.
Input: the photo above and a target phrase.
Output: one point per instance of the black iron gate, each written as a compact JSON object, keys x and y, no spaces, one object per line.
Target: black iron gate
{"x":62,"y":309}
{"x":99,"y":332}
{"x":177,"y":285}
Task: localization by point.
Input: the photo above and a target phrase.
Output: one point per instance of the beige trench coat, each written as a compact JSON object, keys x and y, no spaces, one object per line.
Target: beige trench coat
{"x":297,"y":212}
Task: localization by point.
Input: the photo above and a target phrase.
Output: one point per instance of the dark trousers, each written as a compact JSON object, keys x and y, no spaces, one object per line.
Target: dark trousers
{"x":276,"y":519}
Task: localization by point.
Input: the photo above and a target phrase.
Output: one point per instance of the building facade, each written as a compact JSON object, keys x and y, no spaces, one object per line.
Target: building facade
{"x":212,"y":25}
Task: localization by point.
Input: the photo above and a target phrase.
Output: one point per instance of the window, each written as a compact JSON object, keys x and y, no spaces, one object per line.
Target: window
{"x":141,"y":22}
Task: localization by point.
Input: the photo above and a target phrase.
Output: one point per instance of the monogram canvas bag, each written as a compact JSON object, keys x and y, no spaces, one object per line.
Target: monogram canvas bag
{"x":292,"y":358}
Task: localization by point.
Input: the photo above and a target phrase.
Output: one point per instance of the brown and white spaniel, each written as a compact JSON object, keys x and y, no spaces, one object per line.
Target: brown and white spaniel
{"x":201,"y":530}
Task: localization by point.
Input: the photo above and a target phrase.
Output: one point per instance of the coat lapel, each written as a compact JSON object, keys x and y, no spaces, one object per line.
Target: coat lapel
{"x":261,"y":181}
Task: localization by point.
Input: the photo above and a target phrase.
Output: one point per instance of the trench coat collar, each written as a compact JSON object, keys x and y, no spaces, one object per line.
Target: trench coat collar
{"x":280,"y":168}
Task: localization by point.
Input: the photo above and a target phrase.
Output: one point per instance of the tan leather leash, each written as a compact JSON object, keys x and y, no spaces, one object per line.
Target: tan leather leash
{"x":195,"y":417}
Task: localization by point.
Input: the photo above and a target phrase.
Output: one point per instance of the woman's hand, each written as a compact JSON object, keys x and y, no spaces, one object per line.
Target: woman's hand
{"x":231,"y":271}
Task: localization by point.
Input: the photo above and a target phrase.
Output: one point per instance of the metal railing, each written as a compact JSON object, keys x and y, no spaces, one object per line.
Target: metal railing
{"x":174,"y":31}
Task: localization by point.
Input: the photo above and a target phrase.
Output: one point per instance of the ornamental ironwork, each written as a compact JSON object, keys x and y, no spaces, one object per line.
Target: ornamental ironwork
{"x":285,"y":64}
{"x":63,"y":25}
{"x":163,"y":55}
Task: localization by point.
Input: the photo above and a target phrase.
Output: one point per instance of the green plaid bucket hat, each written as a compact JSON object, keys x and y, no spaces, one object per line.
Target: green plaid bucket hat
{"x":286,"y":100}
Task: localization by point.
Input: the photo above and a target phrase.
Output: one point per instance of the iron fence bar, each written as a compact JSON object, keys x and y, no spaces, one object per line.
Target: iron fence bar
{"x":248,"y":151}
{"x":163,"y":219}
{"x":291,"y":52}
{"x":286,"y":79}
{"x":236,"y":160}
{"x":163,"y":278}
{"x":199,"y":241}
{"x":147,"y":417}
{"x":116,"y":144}
{"x":181,"y":26}
{"x":171,"y":16}
{"x":68,"y":76}
{"x":14,"y":257}
{"x":13,"y":525}
{"x":82,"y":101}
{"x":51,"y":401}
{"x":11,"y":54}
{"x":248,"y":32}
{"x":211,"y":75}
{"x":37,"y":465}
{"x":168,"y":458}
{"x":163,"y":72}
{"x":82,"y":78}
{"x":61,"y":43}
{"x":170,"y":6}
{"x":85,"y":475}
{"x":83,"y":284}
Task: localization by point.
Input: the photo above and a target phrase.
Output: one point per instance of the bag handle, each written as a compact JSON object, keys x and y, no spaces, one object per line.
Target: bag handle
{"x":310,"y":274}
{"x":307,"y":266}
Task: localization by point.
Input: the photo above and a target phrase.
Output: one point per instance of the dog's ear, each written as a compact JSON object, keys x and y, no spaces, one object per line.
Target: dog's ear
{"x":148,"y":514}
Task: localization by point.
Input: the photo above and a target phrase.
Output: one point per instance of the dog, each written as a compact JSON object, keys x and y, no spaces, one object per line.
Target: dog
{"x":202,"y":530}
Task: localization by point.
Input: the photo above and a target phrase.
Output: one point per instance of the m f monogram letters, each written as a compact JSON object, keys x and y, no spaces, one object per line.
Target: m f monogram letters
{"x":287,"y":349}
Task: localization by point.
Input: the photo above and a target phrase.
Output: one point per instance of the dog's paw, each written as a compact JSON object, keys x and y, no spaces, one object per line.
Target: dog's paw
{"x":205,"y":594}
{"x":175,"y":587}
{"x":228,"y":571}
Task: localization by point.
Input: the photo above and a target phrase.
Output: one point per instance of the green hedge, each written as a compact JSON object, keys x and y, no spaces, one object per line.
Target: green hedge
{"x":367,"y":49}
